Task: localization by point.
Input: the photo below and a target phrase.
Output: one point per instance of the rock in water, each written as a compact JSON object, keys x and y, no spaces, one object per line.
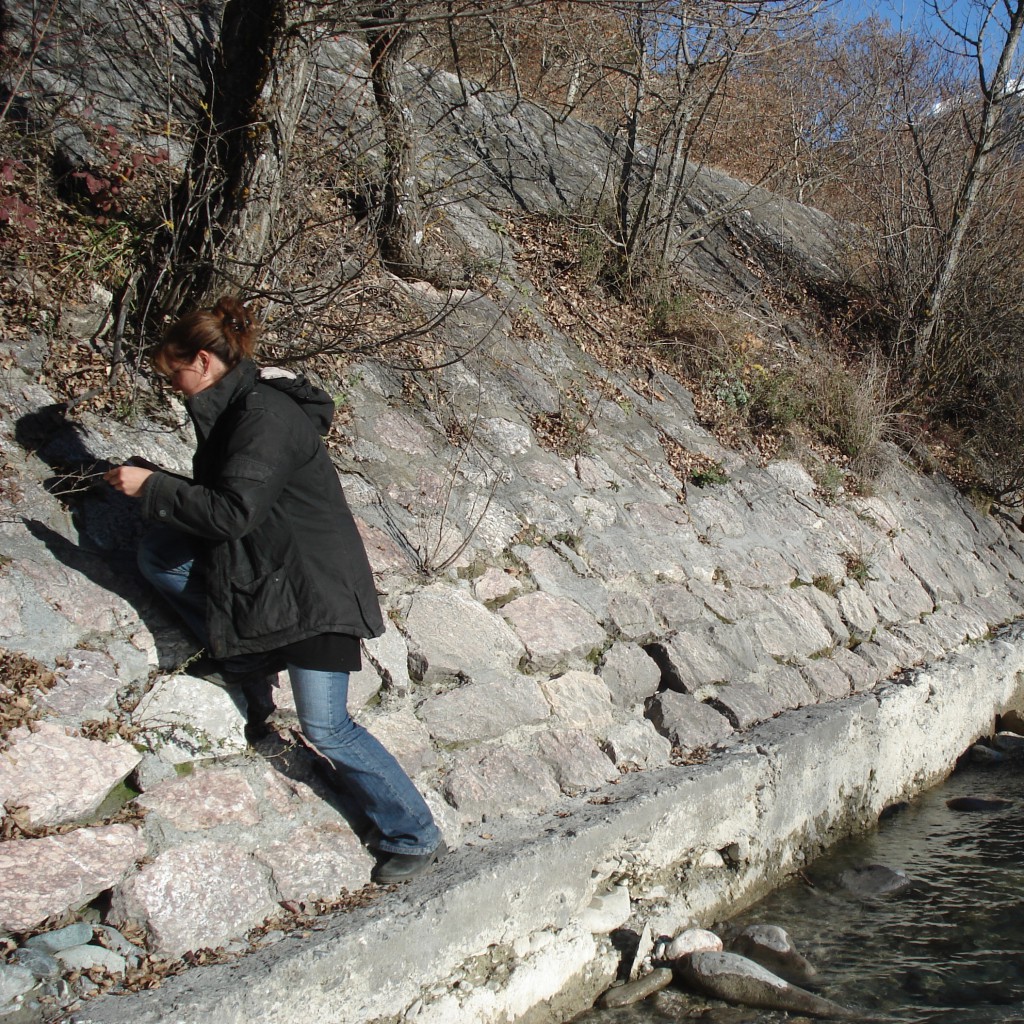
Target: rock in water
{"x":980,"y":754}
{"x":634,"y":991}
{"x":977,"y":803}
{"x":890,"y":810}
{"x":736,"y":979}
{"x":1011,"y":743}
{"x":771,"y":947}
{"x":693,"y":940}
{"x":874,"y":880}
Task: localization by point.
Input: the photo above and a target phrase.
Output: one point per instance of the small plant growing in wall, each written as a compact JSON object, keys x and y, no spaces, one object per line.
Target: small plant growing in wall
{"x":826,"y":584}
{"x":857,"y":567}
{"x":711,"y":475}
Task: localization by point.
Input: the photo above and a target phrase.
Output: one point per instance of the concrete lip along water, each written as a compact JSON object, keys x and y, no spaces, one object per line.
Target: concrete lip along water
{"x":943,"y":949}
{"x":500,"y":931}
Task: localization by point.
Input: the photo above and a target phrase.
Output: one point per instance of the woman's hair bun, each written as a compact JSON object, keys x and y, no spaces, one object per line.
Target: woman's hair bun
{"x":226,"y":329}
{"x":236,"y":319}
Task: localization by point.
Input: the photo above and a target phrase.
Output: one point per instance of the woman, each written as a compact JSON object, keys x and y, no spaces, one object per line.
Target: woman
{"x":260,"y":555}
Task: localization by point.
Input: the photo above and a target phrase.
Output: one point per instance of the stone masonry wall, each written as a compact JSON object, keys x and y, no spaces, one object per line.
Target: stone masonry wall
{"x":598,"y":617}
{"x":558,"y":623}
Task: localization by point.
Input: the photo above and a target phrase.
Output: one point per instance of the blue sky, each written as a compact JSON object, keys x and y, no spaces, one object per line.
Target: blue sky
{"x":910,"y":13}
{"x":920,"y":16}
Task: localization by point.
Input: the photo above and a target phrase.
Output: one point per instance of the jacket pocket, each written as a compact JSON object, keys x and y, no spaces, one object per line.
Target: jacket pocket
{"x":265,"y":605}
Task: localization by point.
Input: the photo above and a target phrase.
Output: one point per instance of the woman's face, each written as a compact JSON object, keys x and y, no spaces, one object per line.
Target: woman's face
{"x":204,"y":371}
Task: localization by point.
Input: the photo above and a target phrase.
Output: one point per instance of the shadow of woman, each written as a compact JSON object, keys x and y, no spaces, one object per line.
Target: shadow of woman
{"x":106,"y":525}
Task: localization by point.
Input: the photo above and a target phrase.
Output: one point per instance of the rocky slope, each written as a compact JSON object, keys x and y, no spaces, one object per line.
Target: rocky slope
{"x":562,"y":617}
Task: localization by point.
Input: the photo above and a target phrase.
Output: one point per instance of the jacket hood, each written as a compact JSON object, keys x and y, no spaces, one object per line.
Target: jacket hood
{"x":207,"y":406}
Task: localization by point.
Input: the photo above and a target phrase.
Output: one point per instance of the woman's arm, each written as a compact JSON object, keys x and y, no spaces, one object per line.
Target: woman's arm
{"x":259,"y":456}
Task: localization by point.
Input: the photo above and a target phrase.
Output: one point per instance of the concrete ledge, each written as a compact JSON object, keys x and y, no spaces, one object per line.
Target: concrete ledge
{"x":495,"y":934}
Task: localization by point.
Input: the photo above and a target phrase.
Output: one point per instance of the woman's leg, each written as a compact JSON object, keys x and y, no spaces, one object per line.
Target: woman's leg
{"x":168,"y":560}
{"x":372,"y":775}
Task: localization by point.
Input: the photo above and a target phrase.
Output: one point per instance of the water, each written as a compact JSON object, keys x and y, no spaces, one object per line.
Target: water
{"x":948,"y":951}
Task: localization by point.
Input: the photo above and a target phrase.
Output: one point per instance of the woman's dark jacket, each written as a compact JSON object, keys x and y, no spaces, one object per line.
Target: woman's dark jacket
{"x":284,"y":560}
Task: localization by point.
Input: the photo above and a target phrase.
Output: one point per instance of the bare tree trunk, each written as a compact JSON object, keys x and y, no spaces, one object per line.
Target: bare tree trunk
{"x":400,"y":224}
{"x":994,"y":95}
{"x":624,"y":228}
{"x":226,"y":206}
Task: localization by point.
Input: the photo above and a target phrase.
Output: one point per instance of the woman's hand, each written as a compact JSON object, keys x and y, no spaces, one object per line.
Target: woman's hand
{"x":128,"y":479}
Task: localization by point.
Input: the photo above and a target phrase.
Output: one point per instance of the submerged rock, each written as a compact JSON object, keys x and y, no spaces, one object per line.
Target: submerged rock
{"x":736,"y":979}
{"x":874,"y":880}
{"x":1011,"y":743}
{"x":978,"y":803}
{"x":891,"y":810}
{"x":980,"y":754}
{"x":771,"y":947}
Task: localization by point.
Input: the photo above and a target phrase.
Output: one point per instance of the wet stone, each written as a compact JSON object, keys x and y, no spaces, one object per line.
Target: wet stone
{"x":874,"y":880}
{"x":635,"y":991}
{"x":691,"y":940}
{"x":772,"y":947}
{"x":978,"y":803}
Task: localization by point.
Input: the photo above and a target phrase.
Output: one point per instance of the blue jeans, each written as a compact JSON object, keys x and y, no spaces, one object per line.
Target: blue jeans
{"x":371,"y":776}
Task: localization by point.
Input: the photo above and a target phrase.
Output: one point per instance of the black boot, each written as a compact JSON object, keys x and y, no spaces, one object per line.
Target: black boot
{"x":403,"y":867}
{"x":257,"y":689}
